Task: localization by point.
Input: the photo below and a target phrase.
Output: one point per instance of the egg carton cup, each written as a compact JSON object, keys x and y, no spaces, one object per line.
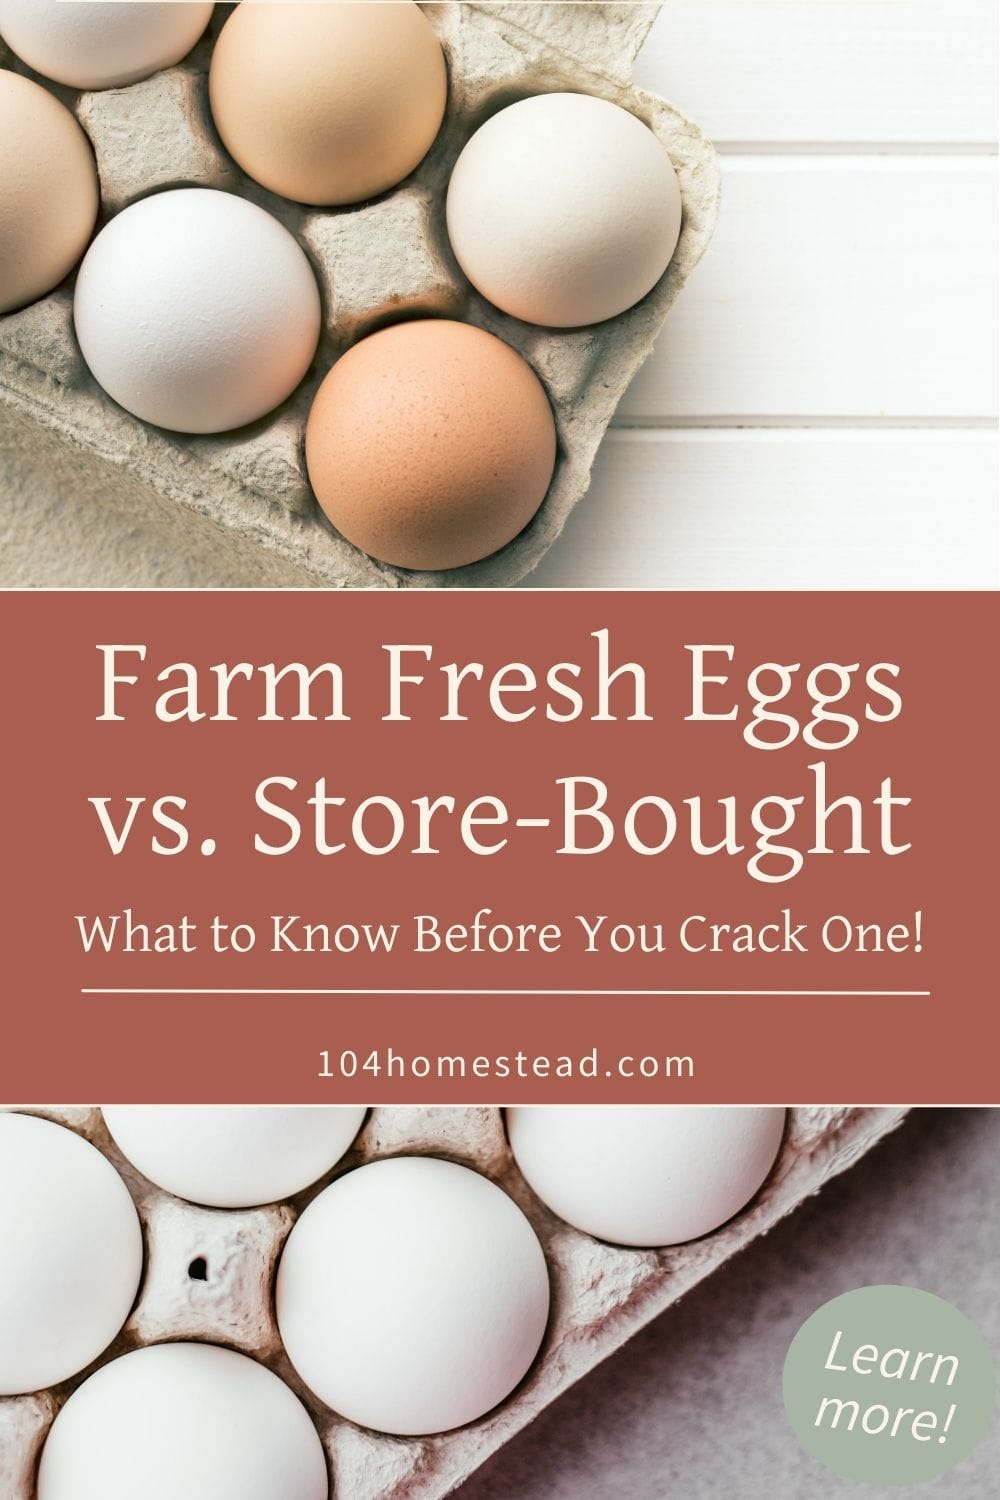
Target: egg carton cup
{"x":209,"y":1276}
{"x":239,"y":505}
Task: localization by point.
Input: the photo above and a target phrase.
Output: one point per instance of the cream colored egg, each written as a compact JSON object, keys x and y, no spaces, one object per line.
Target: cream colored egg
{"x":645,"y":1175}
{"x":48,"y":191}
{"x":564,"y":210}
{"x":328,"y":104}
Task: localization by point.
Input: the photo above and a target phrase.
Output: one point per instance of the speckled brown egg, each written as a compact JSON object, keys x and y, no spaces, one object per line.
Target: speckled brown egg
{"x":328,"y":104}
{"x":431,"y":444}
{"x":48,"y":191}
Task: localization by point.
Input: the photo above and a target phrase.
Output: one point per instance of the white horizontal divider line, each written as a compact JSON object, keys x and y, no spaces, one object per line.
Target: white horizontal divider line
{"x":892,"y":994}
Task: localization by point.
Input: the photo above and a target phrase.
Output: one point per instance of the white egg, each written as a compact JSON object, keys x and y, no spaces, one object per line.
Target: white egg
{"x":412,"y":1295}
{"x":656,"y":1175}
{"x":183,"y":1422}
{"x":197,"y":311}
{"x":233,"y":1156}
{"x":70,"y":1254}
{"x":564,"y":210}
{"x":101,"y":44}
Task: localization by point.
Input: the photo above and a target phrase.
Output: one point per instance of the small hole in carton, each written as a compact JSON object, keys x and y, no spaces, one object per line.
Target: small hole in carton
{"x":198,"y":1269}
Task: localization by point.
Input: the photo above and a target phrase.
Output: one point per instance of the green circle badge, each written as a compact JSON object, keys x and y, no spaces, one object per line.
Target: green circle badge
{"x":890,"y":1385}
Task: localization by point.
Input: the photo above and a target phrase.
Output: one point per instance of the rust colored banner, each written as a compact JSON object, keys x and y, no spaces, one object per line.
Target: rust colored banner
{"x":492,"y":847}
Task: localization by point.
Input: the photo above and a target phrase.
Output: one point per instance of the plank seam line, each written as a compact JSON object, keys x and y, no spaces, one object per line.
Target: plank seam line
{"x":750,"y":147}
{"x":730,"y":423}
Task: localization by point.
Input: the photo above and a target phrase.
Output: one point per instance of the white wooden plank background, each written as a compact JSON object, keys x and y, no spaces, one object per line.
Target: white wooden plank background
{"x":845,"y":286}
{"x":867,"y":71}
{"x":727,"y":509}
{"x":820,"y":410}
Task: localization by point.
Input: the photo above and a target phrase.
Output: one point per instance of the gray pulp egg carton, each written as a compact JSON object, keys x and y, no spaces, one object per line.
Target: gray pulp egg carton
{"x":239,"y":506}
{"x":601,"y":1295}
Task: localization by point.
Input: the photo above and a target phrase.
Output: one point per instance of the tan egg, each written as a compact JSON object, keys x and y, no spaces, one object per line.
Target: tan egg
{"x":48,"y":191}
{"x":328,"y":104}
{"x":430,"y":444}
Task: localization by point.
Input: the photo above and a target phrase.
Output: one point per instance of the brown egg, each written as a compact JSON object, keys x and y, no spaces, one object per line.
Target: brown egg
{"x":430,"y":444}
{"x":328,"y":104}
{"x":48,"y":191}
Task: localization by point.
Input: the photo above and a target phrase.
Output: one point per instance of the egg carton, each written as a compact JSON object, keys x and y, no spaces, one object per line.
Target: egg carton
{"x":209,"y":1276}
{"x":239,"y":505}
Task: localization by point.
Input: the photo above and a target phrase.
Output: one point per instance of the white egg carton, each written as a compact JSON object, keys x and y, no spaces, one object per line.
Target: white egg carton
{"x":601,"y":1295}
{"x":240,"y":505}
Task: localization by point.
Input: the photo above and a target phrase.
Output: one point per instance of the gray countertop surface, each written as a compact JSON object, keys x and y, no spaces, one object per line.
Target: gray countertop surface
{"x":691,"y":1408}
